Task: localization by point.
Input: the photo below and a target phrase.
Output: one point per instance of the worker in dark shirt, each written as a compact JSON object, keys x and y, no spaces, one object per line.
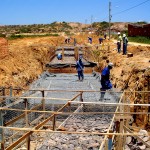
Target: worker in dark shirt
{"x":105,"y":80}
{"x":100,"y":40}
{"x":80,"y":67}
{"x":90,"y":40}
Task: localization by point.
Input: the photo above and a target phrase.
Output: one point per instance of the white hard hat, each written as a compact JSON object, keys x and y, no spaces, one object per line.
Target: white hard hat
{"x":124,"y":35}
{"x":118,"y":33}
{"x":110,"y":64}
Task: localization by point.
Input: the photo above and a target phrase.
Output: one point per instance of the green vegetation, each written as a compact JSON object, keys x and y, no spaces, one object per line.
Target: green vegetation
{"x":101,"y":26}
{"x":25,"y":30}
{"x":13,"y":36}
{"x":2,"y":35}
{"x":54,"y":27}
{"x":139,"y":39}
{"x":141,"y":22}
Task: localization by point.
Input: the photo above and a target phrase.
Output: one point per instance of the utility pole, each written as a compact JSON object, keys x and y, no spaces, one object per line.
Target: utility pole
{"x":109,"y":18}
{"x":91,"y":22}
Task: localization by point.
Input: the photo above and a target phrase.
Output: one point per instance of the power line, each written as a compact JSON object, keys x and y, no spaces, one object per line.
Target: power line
{"x":131,"y":8}
{"x":128,"y":9}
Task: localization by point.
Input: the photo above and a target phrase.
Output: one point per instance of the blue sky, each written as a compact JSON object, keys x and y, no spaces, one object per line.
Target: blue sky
{"x":14,"y":12}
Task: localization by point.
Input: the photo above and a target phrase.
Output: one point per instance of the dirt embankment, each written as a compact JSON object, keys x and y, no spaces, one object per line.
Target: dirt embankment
{"x":131,"y":74}
{"x":129,"y":70}
{"x":26,"y":60}
{"x":28,"y":56}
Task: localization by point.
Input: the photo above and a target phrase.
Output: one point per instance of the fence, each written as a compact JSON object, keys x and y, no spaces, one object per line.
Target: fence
{"x":134,"y":30}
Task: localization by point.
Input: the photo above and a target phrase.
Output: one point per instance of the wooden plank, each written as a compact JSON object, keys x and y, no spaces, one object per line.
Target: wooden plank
{"x":18,"y":141}
{"x":37,"y":119}
{"x":120,"y":137}
{"x":111,"y":124}
{"x":72,"y":91}
{"x":78,"y":113}
{"x":25,"y":127}
{"x":36,"y":127}
{"x":69,"y":132}
{"x":14,"y":120}
{"x":14,"y":103}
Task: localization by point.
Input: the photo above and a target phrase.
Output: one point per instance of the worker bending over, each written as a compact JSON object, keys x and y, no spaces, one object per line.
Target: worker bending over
{"x":59,"y":56}
{"x":105,"y":80}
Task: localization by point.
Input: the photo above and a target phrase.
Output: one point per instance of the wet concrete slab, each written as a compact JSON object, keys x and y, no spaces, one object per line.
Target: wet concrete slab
{"x":68,"y":82}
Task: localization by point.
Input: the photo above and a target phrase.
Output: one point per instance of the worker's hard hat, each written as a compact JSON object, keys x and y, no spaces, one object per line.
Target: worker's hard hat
{"x":124,"y":35}
{"x":80,"y":57}
{"x":118,"y":33}
{"x":110,"y":64}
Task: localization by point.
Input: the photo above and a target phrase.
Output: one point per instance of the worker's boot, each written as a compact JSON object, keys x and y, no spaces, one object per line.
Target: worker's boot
{"x":102,"y":95}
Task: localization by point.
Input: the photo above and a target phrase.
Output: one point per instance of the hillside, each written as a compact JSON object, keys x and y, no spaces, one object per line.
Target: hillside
{"x":57,"y":28}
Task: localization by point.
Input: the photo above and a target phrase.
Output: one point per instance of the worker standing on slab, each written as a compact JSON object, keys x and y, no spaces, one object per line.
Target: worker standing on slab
{"x":119,"y":42}
{"x":125,"y":43}
{"x":105,"y":80}
{"x":80,"y":67}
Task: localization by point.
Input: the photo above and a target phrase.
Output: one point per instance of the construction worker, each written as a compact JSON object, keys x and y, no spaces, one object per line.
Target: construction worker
{"x":105,"y":80}
{"x":125,"y":43}
{"x":90,"y":40}
{"x":66,"y":40}
{"x":80,"y":67}
{"x":119,"y":42}
{"x":59,"y":56}
{"x":105,"y":35}
{"x":69,"y":39}
{"x":100,"y":40}
{"x":74,"y":41}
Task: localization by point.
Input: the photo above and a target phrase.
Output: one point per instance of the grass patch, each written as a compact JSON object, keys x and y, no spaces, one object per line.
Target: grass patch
{"x":139,"y":39}
{"x":13,"y":37}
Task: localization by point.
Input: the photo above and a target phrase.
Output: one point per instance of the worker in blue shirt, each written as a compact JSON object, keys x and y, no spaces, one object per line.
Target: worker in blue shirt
{"x":100,"y":40}
{"x":59,"y":56}
{"x":80,"y":67}
{"x":90,"y":40}
{"x":105,"y":80}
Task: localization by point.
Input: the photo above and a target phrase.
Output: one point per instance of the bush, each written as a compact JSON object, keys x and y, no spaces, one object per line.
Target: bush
{"x":2,"y":35}
{"x":139,"y":39}
{"x":13,"y":36}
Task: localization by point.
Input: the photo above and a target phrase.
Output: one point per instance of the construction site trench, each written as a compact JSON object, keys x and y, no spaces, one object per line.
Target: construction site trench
{"x":58,"y":112}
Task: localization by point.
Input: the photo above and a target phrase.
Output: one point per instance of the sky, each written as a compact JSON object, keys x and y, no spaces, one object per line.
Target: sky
{"x":19,"y":12}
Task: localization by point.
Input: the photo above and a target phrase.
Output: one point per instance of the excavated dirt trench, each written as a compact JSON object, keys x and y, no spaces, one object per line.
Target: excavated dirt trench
{"x":120,"y":73}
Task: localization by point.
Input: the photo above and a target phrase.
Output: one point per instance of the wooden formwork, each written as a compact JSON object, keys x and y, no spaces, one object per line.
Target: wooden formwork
{"x":122,"y":115}
{"x":68,"y":64}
